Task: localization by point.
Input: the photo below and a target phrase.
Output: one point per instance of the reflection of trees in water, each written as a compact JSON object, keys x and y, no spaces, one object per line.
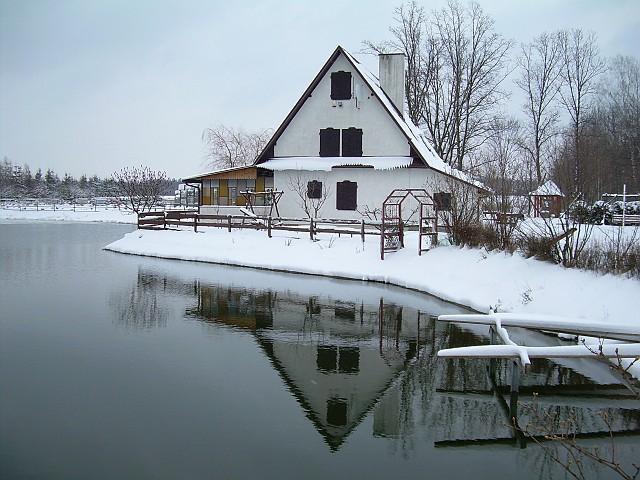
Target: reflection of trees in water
{"x":142,"y":305}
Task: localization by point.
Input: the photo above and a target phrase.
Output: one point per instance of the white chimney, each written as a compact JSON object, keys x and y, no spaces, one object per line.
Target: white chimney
{"x":391,"y":74}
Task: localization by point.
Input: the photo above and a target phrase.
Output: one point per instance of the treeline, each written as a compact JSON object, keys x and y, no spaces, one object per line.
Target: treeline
{"x":19,"y":181}
{"x":578,"y":123}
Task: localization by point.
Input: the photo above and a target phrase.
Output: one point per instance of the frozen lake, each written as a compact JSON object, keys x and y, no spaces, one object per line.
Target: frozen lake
{"x":116,"y":366}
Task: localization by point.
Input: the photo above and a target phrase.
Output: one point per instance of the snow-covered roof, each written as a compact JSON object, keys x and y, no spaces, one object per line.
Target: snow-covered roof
{"x":216,"y":172}
{"x":547,"y":188}
{"x":327,"y":163}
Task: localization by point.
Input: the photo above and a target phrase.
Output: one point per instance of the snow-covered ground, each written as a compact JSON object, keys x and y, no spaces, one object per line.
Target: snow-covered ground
{"x":600,"y":234}
{"x":475,"y":278}
{"x":102,"y":214}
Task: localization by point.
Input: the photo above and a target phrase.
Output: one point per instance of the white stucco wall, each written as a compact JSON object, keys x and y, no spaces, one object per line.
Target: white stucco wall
{"x":380,"y":135}
{"x":373,"y":188}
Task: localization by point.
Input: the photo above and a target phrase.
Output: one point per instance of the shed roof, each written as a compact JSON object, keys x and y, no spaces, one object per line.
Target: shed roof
{"x":223,"y":172}
{"x":547,"y":189}
{"x":327,"y":163}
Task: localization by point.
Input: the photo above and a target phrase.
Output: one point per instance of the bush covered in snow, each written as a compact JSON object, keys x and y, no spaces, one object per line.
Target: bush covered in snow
{"x":602,"y":212}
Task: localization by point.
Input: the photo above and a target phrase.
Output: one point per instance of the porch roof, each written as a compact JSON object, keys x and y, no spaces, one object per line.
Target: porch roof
{"x":327,"y":163}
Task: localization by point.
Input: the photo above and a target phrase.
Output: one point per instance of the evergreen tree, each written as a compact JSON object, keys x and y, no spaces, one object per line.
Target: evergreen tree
{"x":51,"y":181}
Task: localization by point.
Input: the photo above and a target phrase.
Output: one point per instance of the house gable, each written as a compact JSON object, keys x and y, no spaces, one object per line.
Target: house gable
{"x":364,"y":111}
{"x":386,"y":134}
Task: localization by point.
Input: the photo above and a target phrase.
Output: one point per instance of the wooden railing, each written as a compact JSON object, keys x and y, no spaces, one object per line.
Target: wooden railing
{"x":161,"y":220}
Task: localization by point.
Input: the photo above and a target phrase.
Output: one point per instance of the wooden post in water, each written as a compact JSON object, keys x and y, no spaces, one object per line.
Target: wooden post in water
{"x":380,"y":321}
{"x":515,"y":388}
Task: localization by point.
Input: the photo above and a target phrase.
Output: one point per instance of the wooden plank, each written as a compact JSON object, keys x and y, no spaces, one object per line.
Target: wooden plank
{"x":608,"y":350}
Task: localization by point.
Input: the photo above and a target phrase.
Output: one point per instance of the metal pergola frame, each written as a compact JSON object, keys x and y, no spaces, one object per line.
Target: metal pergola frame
{"x":392,"y":228}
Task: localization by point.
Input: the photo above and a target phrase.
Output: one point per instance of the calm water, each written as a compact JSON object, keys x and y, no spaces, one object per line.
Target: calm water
{"x":113,"y":366}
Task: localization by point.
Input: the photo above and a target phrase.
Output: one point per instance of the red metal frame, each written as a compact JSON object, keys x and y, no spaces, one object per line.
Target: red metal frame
{"x":392,"y":228}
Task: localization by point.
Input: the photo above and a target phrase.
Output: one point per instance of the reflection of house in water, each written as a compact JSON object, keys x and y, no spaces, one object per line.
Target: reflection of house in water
{"x":332,"y":355}
{"x":341,"y":363}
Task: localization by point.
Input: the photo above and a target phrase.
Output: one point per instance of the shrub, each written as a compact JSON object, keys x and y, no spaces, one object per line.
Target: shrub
{"x":538,"y":246}
{"x":475,"y":235}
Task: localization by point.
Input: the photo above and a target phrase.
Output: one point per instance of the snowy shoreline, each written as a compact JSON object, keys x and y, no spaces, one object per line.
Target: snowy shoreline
{"x":102,"y":215}
{"x":473,"y":278}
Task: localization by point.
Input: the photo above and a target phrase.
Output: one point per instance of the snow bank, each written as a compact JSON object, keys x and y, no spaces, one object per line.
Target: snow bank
{"x":111,"y":215}
{"x":474,"y":278}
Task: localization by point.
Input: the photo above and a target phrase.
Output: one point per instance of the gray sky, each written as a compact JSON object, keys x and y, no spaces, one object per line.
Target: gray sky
{"x":91,"y":86}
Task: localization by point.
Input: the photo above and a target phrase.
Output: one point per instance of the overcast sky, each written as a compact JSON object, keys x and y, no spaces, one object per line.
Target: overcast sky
{"x":91,"y":86}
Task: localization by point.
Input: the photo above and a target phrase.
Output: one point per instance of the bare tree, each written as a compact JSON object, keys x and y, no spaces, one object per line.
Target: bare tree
{"x":581,"y":67}
{"x":456,"y":64}
{"x":138,"y":188}
{"x":228,"y":147}
{"x":540,"y":81}
{"x":311,"y":197}
{"x":462,"y":219}
{"x":503,"y":172}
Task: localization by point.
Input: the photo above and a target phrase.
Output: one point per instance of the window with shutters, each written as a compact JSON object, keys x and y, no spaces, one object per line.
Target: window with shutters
{"x":314,"y":189}
{"x":340,"y":85}
{"x":329,"y":142}
{"x":352,"y":142}
{"x":346,"y":195}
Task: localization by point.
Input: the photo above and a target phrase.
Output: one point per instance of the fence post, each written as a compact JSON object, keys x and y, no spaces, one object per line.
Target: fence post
{"x":311,"y":228}
{"x":362,"y":229}
{"x":229,"y":223}
{"x":164,"y":220}
{"x":195,"y":223}
{"x":269,"y":226}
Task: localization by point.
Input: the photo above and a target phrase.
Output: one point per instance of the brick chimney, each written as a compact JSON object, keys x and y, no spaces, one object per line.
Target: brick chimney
{"x":391,"y":74}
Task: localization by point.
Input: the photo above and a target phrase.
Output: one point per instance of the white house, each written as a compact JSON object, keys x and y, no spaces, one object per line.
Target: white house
{"x":346,"y":143}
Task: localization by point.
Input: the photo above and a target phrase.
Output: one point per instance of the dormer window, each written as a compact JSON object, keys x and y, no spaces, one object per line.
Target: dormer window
{"x":341,"y":85}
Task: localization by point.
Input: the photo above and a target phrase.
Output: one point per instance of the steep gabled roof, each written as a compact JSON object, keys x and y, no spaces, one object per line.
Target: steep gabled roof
{"x":418,"y":143}
{"x":549,"y":188}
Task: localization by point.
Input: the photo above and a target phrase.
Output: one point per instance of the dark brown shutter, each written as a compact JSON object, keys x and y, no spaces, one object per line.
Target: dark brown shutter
{"x":346,"y":195}
{"x":329,"y":142}
{"x":314,"y":189}
{"x":352,"y":142}
{"x":340,"y":85}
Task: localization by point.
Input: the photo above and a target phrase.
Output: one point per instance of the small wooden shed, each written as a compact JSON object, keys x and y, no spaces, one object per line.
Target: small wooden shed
{"x":546,"y":200}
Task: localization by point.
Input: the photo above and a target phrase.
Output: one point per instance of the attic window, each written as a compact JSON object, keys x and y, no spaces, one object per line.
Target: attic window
{"x":341,"y":85}
{"x":352,"y":142}
{"x":346,"y":195}
{"x":329,"y":142}
{"x":314,"y":189}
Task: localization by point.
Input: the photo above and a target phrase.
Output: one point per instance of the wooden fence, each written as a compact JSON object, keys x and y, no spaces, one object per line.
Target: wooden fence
{"x":161,"y":220}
